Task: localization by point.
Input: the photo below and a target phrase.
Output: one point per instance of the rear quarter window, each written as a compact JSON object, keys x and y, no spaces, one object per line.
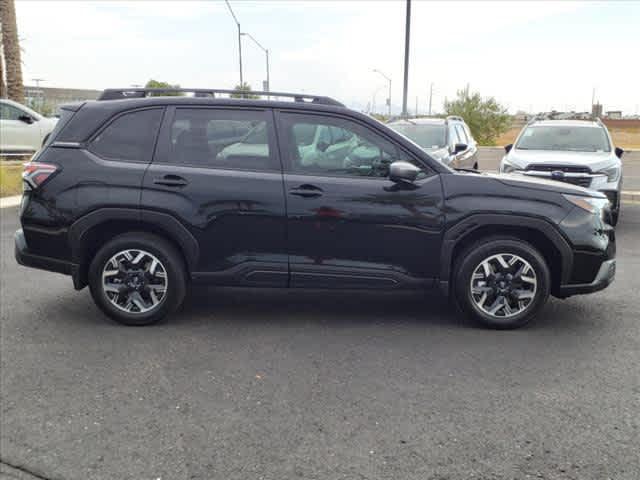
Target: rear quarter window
{"x":129,"y":137}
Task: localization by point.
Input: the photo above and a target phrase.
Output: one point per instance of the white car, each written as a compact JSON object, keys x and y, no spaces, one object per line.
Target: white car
{"x":22,"y":131}
{"x":573,"y":151}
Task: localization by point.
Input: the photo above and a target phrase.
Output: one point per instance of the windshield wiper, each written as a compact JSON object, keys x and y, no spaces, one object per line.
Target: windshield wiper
{"x":470,"y":170}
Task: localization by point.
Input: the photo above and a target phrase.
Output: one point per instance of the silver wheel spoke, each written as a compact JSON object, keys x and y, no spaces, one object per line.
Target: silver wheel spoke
{"x":487,"y":268}
{"x":496,"y":305}
{"x":502,"y":261}
{"x":112,"y":287}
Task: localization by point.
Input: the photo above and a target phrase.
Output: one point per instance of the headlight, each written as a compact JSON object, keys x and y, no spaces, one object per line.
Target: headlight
{"x":590,"y":204}
{"x":612,"y":173}
{"x":508,"y":167}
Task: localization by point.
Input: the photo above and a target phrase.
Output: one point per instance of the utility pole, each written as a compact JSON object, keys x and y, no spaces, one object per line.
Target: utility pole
{"x":40,"y":92}
{"x":388,"y":80}
{"x":407,"y":29}
{"x":430,"y":97}
{"x":239,"y":41}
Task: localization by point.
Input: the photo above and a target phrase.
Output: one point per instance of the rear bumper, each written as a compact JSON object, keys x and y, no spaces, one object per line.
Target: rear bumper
{"x":28,"y":259}
{"x":604,"y":277}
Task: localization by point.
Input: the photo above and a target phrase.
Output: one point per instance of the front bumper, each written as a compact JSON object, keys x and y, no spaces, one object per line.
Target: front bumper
{"x":604,"y":277}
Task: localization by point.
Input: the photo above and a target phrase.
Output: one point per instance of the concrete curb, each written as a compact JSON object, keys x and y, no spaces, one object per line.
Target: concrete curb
{"x":6,"y":202}
{"x":630,"y":196}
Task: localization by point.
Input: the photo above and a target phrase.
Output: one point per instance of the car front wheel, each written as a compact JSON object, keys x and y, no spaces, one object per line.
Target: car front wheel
{"x":502,"y":282}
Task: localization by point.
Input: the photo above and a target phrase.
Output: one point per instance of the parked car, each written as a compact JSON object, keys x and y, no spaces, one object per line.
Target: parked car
{"x":119,"y":203}
{"x":23,"y":130}
{"x":573,"y":151}
{"x":448,"y":140}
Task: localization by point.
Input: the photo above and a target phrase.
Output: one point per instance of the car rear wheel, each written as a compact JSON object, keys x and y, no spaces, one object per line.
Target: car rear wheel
{"x":502,"y":282}
{"x":137,"y":279}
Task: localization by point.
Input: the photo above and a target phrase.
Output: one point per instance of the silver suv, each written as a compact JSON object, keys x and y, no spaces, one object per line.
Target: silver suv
{"x":572,"y":151}
{"x":447,"y":140}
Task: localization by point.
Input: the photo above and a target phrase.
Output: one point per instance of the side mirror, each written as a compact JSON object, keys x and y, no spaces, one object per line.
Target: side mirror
{"x":459,"y":147}
{"x":322,"y":146}
{"x":26,"y":119}
{"x":401,"y":171}
{"x":507,"y":148}
{"x":619,"y":152}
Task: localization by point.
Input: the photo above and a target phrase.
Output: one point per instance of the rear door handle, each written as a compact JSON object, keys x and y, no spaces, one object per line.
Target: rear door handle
{"x":171,"y":181}
{"x":306,"y":190}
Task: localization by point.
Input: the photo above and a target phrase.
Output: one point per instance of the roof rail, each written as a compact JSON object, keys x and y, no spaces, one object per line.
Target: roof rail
{"x":123,"y":93}
{"x":455,"y":117}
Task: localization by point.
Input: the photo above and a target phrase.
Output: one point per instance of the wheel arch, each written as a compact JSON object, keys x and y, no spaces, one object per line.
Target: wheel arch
{"x":93,"y":230}
{"x":541,"y":234}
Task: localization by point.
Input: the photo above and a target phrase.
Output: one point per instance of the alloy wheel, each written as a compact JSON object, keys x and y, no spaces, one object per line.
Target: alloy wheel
{"x":135,"y":281}
{"x":503,"y":285}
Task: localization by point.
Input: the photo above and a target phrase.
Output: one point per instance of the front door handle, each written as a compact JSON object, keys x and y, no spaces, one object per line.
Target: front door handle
{"x":171,"y":181}
{"x":306,"y":190}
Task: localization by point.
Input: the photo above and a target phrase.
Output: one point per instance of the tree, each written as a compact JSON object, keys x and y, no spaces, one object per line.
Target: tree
{"x":487,"y":119}
{"x":3,"y":85}
{"x":157,"y":84}
{"x":11,"y":49}
{"x":245,"y":87}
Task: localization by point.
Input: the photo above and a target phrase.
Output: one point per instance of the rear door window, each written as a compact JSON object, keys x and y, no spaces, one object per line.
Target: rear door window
{"x":130,"y":137}
{"x":221,"y":138}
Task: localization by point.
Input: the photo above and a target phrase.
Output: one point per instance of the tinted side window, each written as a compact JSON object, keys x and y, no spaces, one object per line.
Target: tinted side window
{"x":353,"y":150}
{"x":468,"y":132}
{"x":462,"y":135}
{"x":130,"y":137}
{"x":207,"y":137}
{"x":9,"y":112}
{"x":453,"y":136}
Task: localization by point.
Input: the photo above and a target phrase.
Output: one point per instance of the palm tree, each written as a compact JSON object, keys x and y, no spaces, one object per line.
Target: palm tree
{"x":3,"y":86}
{"x":11,"y":48}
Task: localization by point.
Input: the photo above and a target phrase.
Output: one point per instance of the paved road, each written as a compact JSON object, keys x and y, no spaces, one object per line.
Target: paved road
{"x":280,"y":385}
{"x":489,"y":159}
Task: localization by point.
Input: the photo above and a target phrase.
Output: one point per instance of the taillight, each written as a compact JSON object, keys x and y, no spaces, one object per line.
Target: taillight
{"x":35,"y":174}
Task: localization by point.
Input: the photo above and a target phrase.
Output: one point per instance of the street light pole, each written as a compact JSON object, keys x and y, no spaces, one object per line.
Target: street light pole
{"x":406,"y":59}
{"x":239,"y":41}
{"x":265,"y":50}
{"x":430,"y":97}
{"x":388,"y":80}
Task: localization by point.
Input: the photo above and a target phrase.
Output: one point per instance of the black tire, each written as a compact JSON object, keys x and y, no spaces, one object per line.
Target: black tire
{"x":170,"y":260}
{"x":475,"y":166}
{"x":472,"y":258}
{"x":615,"y":216}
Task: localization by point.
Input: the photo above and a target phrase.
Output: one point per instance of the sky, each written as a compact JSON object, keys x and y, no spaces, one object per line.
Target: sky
{"x":531,"y":56}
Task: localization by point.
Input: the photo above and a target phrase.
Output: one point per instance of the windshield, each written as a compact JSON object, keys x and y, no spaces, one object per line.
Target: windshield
{"x":427,"y":136}
{"x":575,"y":139}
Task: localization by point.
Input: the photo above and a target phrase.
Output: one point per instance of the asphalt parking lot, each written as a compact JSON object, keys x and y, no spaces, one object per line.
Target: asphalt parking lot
{"x":276,"y":384}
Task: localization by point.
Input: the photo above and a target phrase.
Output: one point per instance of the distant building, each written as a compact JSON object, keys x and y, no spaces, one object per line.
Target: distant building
{"x":522,"y":116}
{"x":614,"y":114}
{"x":582,"y":116}
{"x":596,"y":110}
{"x":47,"y":100}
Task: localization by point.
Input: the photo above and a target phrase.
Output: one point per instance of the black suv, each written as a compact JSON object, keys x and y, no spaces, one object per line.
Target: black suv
{"x":139,"y":195}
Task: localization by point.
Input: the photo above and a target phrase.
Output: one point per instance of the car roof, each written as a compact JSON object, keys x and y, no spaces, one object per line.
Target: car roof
{"x":420,"y":121}
{"x":564,"y":123}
